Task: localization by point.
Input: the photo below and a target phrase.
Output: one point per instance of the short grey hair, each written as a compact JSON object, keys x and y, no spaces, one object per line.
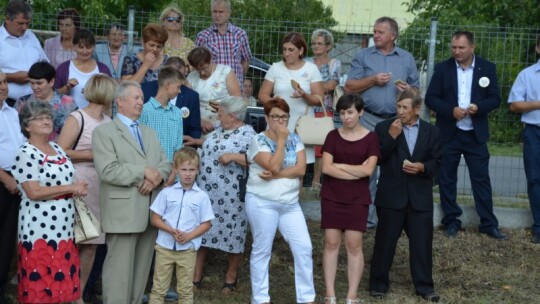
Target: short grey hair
{"x":234,"y":105}
{"x":122,"y":88}
{"x":16,"y":7}
{"x":32,"y":109}
{"x":327,"y":36}
{"x":226,"y":2}
{"x":392,"y":22}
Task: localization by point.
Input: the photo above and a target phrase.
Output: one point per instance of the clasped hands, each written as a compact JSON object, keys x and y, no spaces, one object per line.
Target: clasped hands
{"x":180,"y":236}
{"x":408,"y":167}
{"x":152,"y":179}
{"x":80,"y":189}
{"x":460,"y":113}
{"x":412,"y":168}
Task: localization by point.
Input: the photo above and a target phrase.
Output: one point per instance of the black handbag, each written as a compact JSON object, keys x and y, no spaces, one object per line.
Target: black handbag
{"x":242,"y":182}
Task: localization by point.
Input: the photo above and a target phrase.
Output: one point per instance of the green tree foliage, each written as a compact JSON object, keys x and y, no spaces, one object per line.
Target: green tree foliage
{"x":265,"y":21}
{"x":502,"y":35}
{"x":500,"y":12}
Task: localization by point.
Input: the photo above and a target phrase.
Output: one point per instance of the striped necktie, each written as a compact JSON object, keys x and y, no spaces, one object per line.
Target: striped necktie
{"x":137,"y":134}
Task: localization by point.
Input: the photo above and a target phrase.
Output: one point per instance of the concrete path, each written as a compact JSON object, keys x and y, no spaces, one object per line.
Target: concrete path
{"x":512,"y":218}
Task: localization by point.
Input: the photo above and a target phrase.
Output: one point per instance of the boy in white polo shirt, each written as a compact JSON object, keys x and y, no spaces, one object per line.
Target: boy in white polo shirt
{"x":182,"y":212}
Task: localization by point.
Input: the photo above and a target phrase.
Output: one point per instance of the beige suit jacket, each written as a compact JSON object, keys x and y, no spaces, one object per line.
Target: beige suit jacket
{"x":120,"y":164}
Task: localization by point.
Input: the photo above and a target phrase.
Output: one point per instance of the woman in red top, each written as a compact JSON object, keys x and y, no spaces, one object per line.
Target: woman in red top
{"x":349,"y":158}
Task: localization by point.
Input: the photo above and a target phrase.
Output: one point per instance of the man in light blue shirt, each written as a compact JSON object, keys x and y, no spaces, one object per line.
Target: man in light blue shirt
{"x":379,"y":73}
{"x":524,"y":98}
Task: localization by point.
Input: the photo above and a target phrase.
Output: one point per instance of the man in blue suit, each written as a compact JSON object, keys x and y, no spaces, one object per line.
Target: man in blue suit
{"x":463,"y":90}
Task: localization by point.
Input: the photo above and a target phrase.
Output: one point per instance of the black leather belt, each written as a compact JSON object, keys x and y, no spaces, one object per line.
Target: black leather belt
{"x":383,"y":115}
{"x":532,"y":126}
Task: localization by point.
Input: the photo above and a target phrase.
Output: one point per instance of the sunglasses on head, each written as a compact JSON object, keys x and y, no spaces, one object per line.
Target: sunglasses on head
{"x":173,"y":19}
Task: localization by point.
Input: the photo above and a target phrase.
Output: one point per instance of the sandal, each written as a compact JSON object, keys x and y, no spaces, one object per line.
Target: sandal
{"x":353,"y":301}
{"x":228,"y":288}
{"x":330,"y":300}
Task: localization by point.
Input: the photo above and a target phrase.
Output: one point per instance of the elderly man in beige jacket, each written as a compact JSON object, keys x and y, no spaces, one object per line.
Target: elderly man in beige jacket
{"x":132,"y":167}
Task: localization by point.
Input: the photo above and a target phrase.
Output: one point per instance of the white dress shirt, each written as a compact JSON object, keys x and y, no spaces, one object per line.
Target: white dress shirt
{"x":464,"y":79}
{"x":19,"y":54}
{"x":183,"y":209}
{"x":11,"y":137}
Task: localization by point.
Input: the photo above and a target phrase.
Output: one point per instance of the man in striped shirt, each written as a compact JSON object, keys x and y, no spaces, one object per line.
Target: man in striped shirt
{"x":228,"y":43}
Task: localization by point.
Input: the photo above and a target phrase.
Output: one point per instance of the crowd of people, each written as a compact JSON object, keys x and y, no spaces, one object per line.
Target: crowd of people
{"x":156,"y":143}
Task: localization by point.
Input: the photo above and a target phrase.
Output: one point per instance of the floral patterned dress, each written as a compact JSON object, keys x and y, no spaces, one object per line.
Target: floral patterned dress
{"x":229,"y":227}
{"x":48,"y":265}
{"x":329,"y":71}
{"x":182,"y":52}
{"x":62,"y":106}
{"x":132,"y":64}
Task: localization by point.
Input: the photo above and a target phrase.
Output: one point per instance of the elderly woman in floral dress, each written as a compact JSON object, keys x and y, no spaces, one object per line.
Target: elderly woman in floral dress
{"x":222,"y":165}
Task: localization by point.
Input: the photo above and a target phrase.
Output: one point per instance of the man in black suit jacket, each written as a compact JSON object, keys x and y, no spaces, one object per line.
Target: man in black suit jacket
{"x":410,"y":156}
{"x":463,"y":90}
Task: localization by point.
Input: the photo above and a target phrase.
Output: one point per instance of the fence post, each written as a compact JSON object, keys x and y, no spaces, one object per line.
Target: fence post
{"x":431,"y":59}
{"x":131,"y":28}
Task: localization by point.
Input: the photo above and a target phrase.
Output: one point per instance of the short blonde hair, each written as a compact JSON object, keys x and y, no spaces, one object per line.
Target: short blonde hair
{"x":100,"y":89}
{"x":186,"y":153}
{"x":172,"y":8}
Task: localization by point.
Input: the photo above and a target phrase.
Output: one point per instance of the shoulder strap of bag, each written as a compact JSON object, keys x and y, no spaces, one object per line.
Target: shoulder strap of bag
{"x":322,"y":105}
{"x":246,"y":168}
{"x":80,"y":132}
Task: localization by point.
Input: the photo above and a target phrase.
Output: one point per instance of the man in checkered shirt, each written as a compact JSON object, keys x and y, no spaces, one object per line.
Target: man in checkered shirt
{"x":228,"y":43}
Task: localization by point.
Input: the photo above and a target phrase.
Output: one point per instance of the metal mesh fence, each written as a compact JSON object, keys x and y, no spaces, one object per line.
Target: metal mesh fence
{"x":510,"y":48}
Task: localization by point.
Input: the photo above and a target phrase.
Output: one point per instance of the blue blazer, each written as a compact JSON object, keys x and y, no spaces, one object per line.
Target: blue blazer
{"x":187,"y":98}
{"x":442,"y":97}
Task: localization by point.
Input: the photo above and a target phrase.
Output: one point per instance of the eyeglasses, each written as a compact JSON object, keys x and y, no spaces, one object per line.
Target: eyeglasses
{"x":318,"y":44}
{"x":42,"y":119}
{"x":279,"y":117}
{"x":174,"y":19}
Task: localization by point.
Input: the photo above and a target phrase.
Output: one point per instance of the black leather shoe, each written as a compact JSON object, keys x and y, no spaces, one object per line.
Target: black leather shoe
{"x":495,"y":233}
{"x":377,"y":294}
{"x":536,"y":238}
{"x":451,"y":231}
{"x":431,"y":297}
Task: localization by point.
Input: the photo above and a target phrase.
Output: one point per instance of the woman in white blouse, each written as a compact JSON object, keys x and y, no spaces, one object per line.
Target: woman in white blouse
{"x":277,"y":164}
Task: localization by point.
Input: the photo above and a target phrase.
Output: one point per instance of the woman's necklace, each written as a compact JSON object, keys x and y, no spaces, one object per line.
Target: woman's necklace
{"x":226,"y":133}
{"x":43,"y":147}
{"x":84,"y":66}
{"x":176,"y":41}
{"x":111,"y":53}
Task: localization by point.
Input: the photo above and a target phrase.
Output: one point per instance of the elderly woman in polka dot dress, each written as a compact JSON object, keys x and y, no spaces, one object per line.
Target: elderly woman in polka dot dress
{"x":48,"y":268}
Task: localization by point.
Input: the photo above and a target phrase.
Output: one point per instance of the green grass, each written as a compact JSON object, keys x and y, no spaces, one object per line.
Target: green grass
{"x":505,"y":149}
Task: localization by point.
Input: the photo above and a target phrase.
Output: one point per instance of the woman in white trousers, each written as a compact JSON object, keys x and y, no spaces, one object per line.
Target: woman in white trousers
{"x":277,"y":164}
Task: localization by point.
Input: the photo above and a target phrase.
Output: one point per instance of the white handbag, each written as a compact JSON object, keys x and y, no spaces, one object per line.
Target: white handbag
{"x":313,"y":130}
{"x":87,"y":226}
